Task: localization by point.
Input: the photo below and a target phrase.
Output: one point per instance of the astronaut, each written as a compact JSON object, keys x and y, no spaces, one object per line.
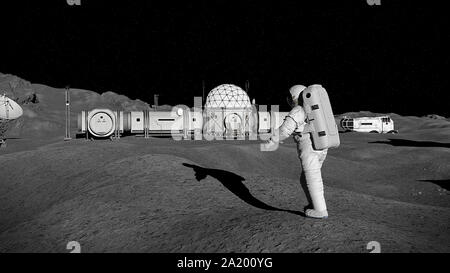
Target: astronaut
{"x":311,"y":160}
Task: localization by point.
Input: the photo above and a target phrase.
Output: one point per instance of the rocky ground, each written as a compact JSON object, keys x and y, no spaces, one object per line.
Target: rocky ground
{"x":158,"y":195}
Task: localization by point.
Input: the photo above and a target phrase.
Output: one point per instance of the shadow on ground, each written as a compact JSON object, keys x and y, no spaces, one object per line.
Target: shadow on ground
{"x":445,"y":184}
{"x":233,"y":183}
{"x":413,"y":143}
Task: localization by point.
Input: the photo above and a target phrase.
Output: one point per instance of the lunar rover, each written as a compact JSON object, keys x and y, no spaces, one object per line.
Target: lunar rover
{"x":381,"y":124}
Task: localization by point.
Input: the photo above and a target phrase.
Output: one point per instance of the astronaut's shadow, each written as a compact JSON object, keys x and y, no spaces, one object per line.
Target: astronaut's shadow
{"x":233,"y":183}
{"x":445,"y":183}
{"x":413,"y":143}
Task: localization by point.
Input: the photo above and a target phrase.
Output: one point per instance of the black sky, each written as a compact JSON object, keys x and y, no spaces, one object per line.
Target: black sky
{"x":388,"y":58}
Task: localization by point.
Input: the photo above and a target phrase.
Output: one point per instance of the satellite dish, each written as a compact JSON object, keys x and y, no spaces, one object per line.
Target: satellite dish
{"x":9,"y":109}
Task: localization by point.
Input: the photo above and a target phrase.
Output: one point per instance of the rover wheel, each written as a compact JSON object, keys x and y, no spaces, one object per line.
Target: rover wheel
{"x":374,"y":132}
{"x":393,"y":132}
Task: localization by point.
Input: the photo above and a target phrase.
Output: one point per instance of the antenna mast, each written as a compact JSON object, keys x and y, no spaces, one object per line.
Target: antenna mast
{"x":203,"y":91}
{"x":67,"y":136}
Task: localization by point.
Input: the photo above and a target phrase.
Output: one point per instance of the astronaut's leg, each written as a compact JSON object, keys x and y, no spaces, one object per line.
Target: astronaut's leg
{"x":311,"y":163}
{"x":304,"y":185}
{"x":315,"y":188}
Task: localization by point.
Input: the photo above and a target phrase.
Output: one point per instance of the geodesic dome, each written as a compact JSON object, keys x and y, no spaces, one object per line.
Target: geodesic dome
{"x":227,"y":96}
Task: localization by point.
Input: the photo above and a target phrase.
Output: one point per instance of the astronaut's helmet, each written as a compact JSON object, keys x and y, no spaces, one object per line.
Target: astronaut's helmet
{"x":294,"y":97}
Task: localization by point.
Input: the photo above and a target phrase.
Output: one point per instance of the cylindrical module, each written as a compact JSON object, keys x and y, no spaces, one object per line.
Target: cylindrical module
{"x":101,"y":122}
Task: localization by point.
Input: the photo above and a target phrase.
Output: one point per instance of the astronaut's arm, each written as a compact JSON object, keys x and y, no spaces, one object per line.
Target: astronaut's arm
{"x":284,"y":131}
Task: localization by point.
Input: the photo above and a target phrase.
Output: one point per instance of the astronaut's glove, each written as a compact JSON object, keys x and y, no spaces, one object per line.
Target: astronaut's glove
{"x":269,"y":146}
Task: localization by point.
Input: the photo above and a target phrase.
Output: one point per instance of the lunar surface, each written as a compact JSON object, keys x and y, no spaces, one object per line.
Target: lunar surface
{"x":162,"y":195}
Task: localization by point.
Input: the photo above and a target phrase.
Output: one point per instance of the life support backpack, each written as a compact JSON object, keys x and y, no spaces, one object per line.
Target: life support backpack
{"x":319,"y":117}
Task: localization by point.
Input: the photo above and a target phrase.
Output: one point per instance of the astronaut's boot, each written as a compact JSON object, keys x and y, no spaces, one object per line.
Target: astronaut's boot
{"x":315,"y":188}
{"x":312,"y":213}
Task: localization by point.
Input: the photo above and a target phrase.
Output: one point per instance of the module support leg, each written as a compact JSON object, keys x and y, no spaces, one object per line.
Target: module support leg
{"x":146,"y":123}
{"x":117,"y":128}
{"x":86,"y":114}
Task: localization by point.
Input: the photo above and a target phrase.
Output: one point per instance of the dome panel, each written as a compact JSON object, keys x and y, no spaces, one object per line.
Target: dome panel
{"x":227,"y":96}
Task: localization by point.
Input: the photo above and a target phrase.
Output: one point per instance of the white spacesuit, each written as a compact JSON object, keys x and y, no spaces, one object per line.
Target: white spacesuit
{"x":311,"y":160}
